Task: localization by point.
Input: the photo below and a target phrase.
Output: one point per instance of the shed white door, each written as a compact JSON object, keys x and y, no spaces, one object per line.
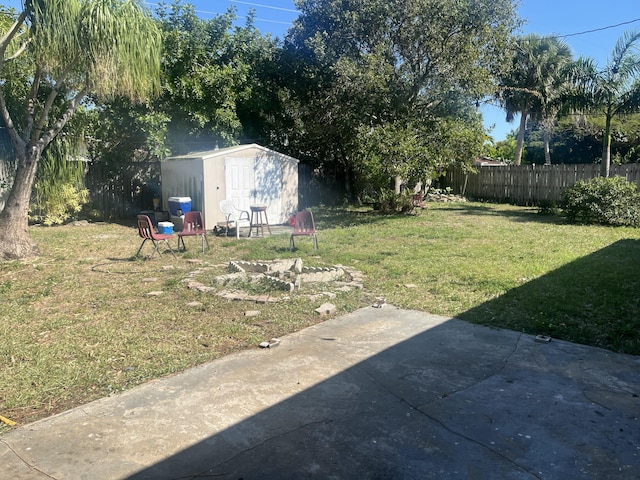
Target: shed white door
{"x":268,"y":180}
{"x":240,"y":181}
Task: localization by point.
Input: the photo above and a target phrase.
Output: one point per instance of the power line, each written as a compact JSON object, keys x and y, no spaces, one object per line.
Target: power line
{"x":206,"y":12}
{"x":265,"y":6}
{"x":259,"y":5}
{"x":272,"y":7}
{"x":608,"y":27}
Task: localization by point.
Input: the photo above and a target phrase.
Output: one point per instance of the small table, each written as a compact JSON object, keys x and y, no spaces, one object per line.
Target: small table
{"x":257,"y":221}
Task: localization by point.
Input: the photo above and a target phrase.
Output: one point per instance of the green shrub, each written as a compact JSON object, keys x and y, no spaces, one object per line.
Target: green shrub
{"x":58,"y":192}
{"x":547,"y":207}
{"x":606,"y":201}
{"x":391,"y":202}
{"x":58,"y":205}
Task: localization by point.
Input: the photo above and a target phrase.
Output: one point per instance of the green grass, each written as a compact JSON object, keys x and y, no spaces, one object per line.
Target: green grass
{"x":77,"y":323}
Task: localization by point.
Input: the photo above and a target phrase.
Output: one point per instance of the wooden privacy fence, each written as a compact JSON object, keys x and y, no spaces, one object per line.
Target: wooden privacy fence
{"x":123,"y":191}
{"x":114,"y":192}
{"x":529,"y":184}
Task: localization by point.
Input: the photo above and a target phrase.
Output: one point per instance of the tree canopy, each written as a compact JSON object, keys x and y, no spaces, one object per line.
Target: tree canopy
{"x":368,"y":71}
{"x":612,"y":91}
{"x":532,"y":86}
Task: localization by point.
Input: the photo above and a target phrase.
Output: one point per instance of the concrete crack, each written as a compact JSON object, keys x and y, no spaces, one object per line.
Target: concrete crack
{"x":30,"y":467}
{"x":499,"y":370}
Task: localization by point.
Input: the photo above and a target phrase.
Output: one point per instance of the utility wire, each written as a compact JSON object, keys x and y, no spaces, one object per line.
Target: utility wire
{"x":206,"y":12}
{"x":585,"y":32}
{"x":265,"y":6}
{"x":272,"y":7}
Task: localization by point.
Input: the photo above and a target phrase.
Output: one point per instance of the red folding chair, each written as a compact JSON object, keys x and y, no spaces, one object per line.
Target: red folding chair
{"x":304,"y":226}
{"x":147,"y":232}
{"x":193,"y":227}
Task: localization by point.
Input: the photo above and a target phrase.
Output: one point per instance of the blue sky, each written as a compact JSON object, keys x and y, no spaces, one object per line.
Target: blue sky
{"x":544,"y":17}
{"x":568,"y":17}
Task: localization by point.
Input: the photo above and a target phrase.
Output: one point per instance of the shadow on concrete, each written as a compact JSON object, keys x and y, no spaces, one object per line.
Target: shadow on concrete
{"x":387,"y":394}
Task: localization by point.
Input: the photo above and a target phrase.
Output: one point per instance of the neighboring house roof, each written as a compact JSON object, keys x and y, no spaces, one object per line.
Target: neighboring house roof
{"x":487,"y":162}
{"x":207,"y":154}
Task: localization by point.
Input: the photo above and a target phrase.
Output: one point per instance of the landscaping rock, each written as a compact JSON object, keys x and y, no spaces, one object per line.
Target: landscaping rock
{"x":262,"y":299}
{"x":313,"y":298}
{"x":326,"y":309}
{"x":379,"y":303}
{"x":205,"y":289}
{"x":274,"y":342}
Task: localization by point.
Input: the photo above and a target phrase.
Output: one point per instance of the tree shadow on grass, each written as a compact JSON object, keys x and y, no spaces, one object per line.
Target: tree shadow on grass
{"x":344,"y":217}
{"x":591,"y":300}
{"x":521,"y":214}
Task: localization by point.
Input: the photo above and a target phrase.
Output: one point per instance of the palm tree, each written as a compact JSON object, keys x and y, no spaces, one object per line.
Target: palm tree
{"x":54,"y":54}
{"x":532,"y":86}
{"x":612,"y":91}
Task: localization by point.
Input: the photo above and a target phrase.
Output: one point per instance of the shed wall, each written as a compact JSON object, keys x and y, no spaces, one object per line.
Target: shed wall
{"x":207,"y":179}
{"x":183,"y":178}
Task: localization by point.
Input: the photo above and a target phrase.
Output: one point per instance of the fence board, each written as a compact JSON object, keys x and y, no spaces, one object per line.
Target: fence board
{"x":125,"y":191}
{"x":529,"y":184}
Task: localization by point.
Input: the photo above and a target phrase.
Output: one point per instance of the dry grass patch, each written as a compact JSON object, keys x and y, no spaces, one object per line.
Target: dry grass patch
{"x":79,"y":322}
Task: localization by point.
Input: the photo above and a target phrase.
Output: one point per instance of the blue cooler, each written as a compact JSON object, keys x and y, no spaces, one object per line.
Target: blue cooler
{"x":165,"y":227}
{"x":179,"y":205}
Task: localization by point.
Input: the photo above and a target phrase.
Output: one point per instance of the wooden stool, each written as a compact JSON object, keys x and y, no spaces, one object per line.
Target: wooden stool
{"x":257,"y":221}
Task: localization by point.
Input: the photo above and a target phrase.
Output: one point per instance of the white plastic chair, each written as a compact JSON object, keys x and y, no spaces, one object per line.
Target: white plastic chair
{"x":233,"y":214}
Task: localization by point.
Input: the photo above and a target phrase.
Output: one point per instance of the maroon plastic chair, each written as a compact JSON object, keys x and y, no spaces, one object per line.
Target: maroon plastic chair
{"x":193,"y":227}
{"x":147,"y":232}
{"x":418,"y":201}
{"x":304,"y":226}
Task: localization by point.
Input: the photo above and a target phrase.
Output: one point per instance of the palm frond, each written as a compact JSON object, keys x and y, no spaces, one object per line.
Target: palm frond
{"x":118,"y":62}
{"x":628,"y":42}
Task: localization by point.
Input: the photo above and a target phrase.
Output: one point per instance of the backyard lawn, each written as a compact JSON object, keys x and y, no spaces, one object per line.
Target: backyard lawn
{"x":86,"y":320}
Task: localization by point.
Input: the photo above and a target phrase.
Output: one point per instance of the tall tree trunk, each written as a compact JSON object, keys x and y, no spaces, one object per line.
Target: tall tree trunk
{"x":397,"y":184}
{"x":606,"y":148}
{"x":547,"y":150}
{"x":520,"y":138}
{"x":15,"y":241}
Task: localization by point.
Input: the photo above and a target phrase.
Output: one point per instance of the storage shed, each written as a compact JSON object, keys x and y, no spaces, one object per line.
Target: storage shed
{"x":246,"y":174}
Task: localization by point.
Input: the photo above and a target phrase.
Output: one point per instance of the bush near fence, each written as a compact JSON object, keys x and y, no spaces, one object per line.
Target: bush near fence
{"x":529,"y":185}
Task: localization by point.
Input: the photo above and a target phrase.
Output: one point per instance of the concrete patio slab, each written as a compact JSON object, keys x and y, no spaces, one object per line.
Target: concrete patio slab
{"x":377,"y":393}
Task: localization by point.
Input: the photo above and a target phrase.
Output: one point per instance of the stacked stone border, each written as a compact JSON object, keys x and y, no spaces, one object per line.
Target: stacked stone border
{"x":288,"y":276}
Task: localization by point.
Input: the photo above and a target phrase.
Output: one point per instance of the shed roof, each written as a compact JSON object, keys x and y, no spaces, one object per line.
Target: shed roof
{"x":488,"y":162}
{"x":220,"y":152}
